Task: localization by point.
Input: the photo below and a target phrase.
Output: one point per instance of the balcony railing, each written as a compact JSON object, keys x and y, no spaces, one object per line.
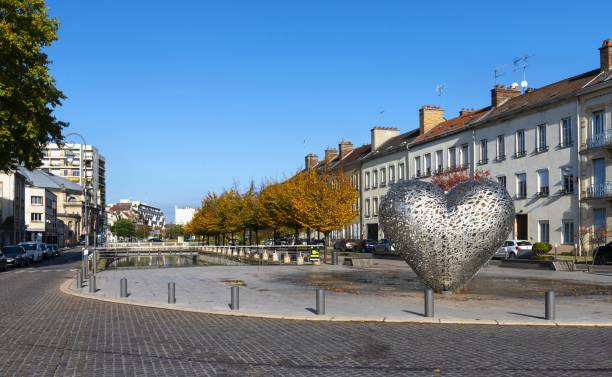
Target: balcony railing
{"x":500,"y":157}
{"x":520,"y":154}
{"x":600,"y":140}
{"x":599,"y":191}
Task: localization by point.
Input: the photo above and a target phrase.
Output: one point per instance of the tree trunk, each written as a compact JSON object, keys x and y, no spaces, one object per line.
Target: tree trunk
{"x":256,"y":237}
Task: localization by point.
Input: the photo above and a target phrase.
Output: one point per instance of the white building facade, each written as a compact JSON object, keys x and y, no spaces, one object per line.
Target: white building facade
{"x":183,"y":215}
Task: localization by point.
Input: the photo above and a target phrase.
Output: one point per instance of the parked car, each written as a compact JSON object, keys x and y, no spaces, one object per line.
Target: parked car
{"x":514,"y":249}
{"x":384,"y":247}
{"x":368,"y":245}
{"x":603,"y":254}
{"x":55,"y":251}
{"x":15,"y":256}
{"x":34,"y":250}
{"x":47,"y":251}
{"x":344,"y":245}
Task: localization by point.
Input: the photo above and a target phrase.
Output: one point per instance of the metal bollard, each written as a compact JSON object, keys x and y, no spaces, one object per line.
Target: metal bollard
{"x":171,"y":293}
{"x":549,"y":306}
{"x":79,"y":279}
{"x":335,"y":257}
{"x":429,"y":303}
{"x":92,"y":283}
{"x":320,"y":301}
{"x":235,"y":303}
{"x":123,"y":288}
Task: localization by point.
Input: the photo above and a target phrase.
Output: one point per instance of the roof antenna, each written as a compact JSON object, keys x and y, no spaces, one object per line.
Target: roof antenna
{"x":521,"y":63}
{"x":381,"y":116}
{"x":440,"y":89}
{"x":497,"y":73}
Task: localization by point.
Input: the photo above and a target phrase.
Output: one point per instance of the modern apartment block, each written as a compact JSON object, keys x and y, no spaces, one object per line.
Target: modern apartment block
{"x":137,"y":212}
{"x":83,"y":164}
{"x":12,"y":208}
{"x":183,"y":215}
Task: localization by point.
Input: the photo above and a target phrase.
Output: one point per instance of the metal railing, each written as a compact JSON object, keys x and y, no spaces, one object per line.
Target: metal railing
{"x":603,"y":139}
{"x":599,"y":191}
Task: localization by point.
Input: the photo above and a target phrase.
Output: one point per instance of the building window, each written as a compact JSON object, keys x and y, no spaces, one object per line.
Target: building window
{"x":483,"y":151}
{"x":566,"y":133}
{"x":544,"y":235}
{"x":428,"y":164}
{"x":417,"y":166}
{"x":502,"y":180}
{"x":600,"y":227}
{"x":367,"y":180}
{"x":375,"y":207}
{"x":465,"y":156}
{"x":54,"y":153}
{"x":452,"y":158}
{"x":541,"y":144}
{"x":501,"y":148}
{"x":37,"y":200}
{"x":521,"y":186}
{"x":76,"y":172}
{"x":401,"y":171}
{"x":439,"y":162}
{"x":568,"y":232}
{"x":520,"y":144}
{"x":367,"y":207}
{"x":383,"y":176}
{"x":543,"y":183}
{"x":36,"y":217}
{"x":391,"y":174}
{"x":375,"y":178}
{"x":567,"y":180}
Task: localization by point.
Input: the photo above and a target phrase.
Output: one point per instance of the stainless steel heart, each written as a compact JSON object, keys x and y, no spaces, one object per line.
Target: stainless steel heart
{"x":446,"y":238}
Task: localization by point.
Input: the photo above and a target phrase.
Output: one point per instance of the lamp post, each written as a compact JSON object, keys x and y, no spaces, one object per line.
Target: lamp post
{"x":85,"y":187}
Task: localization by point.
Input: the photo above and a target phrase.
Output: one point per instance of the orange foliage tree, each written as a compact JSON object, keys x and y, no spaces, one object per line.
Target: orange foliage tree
{"x":451,"y":178}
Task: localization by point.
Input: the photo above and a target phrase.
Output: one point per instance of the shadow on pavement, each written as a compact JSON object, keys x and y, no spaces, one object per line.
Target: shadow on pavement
{"x":527,"y":315}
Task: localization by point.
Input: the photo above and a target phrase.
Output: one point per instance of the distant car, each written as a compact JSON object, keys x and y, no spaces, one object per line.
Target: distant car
{"x":603,"y":254}
{"x":47,"y":251}
{"x":34,"y":250}
{"x":15,"y":256}
{"x":512,"y":249}
{"x":384,"y":247}
{"x":344,"y":245}
{"x":368,"y":245}
{"x":55,"y":251}
{"x":154,"y":239}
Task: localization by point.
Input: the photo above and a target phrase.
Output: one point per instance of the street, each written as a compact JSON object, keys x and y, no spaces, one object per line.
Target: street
{"x":45,"y":332}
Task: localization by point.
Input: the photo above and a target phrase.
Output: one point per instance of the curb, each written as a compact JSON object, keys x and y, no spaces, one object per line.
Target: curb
{"x":64,"y":288}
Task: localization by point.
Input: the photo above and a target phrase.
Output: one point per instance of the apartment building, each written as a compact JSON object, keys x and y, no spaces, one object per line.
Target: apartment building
{"x":12,"y":208}
{"x":386,"y":164}
{"x":84,"y":165}
{"x":41,"y":215}
{"x":595,"y":150}
{"x":137,"y":212}
{"x":183,"y":215}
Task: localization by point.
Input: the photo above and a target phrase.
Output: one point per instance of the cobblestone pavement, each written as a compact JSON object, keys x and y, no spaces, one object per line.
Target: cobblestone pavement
{"x":44,"y":332}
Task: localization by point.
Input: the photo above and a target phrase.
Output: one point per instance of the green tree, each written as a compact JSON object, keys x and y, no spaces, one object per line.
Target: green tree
{"x":174,"y":231}
{"x":123,"y":228}
{"x":143,"y":231}
{"x":28,"y":94}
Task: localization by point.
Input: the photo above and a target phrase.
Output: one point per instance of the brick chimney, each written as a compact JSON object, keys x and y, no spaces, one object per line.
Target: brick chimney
{"x":380,"y":135}
{"x":310,"y":161}
{"x":429,"y":117}
{"x":605,"y":55}
{"x":345,"y":147}
{"x":500,"y":94}
{"x":330,"y":153}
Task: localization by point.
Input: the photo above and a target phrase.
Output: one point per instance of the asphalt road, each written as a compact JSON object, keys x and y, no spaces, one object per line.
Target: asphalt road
{"x":44,"y":332}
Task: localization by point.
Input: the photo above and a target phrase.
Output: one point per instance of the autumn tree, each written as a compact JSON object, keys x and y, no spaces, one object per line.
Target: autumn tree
{"x":174,"y":231}
{"x":123,"y":228}
{"x":323,"y":201}
{"x":143,"y":231}
{"x":28,"y":94}
{"x":275,"y":207}
{"x":451,"y":178}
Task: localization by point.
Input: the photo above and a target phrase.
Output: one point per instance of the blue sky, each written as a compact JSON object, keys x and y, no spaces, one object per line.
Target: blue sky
{"x":193,"y":96}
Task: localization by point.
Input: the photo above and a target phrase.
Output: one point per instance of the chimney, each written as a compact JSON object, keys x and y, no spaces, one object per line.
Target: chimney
{"x":311,"y":160}
{"x":330,"y":153}
{"x":429,"y":117}
{"x":500,"y":94}
{"x":345,"y":147}
{"x":605,"y":55}
{"x":465,"y":111}
{"x":380,"y":135}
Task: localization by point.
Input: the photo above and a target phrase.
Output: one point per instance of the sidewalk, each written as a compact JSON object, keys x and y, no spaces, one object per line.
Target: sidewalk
{"x":388,"y":291}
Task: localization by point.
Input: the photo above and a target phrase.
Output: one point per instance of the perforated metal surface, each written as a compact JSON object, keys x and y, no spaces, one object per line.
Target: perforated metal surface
{"x":446,"y":238}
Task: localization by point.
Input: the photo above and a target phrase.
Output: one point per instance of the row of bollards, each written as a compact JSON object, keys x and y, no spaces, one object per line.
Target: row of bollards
{"x":549,"y":304}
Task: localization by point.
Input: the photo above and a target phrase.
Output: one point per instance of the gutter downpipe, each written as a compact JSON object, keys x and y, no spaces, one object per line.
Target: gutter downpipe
{"x":578,"y":171}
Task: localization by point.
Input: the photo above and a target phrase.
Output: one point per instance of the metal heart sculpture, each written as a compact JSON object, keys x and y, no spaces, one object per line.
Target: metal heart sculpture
{"x":446,"y":238}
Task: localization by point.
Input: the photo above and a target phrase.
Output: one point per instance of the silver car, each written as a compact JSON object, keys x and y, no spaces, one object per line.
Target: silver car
{"x":514,"y":249}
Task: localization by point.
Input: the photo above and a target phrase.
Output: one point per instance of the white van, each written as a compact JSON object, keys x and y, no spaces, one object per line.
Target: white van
{"x":34,"y":251}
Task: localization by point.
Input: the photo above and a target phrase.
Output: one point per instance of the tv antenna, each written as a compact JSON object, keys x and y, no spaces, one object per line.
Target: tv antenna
{"x":381,"y":116}
{"x":520,"y":64}
{"x":498,"y":72}
{"x":440,"y":89}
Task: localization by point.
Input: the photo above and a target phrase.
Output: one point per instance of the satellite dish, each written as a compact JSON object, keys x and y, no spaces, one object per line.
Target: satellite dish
{"x":524,"y":84}
{"x":514,"y":85}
